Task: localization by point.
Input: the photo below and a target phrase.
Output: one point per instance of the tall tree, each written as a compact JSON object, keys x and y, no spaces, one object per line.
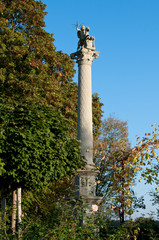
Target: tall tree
{"x":30,"y":66}
{"x":36,"y":149}
{"x":112,"y":142}
{"x":118,"y":164}
{"x":116,"y":173}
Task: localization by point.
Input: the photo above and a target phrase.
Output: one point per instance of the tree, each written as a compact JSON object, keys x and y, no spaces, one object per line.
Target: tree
{"x":36,"y":150}
{"x":119,"y":164}
{"x":116,"y":173}
{"x":35,"y":145}
{"x":31,"y":68}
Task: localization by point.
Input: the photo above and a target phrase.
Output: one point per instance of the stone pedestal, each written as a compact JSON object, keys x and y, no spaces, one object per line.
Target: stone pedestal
{"x":85,"y":189}
{"x":85,"y":184}
{"x":85,"y":181}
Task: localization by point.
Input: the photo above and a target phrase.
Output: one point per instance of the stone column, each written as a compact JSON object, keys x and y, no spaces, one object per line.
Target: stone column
{"x":84,"y":124}
{"x":85,"y":182}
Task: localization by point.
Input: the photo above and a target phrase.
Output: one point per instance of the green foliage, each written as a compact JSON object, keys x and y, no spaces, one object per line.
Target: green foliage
{"x":59,"y":222}
{"x":35,"y":145}
{"x":46,"y":215}
{"x":147,"y":156}
{"x":140,"y":229}
{"x":119,"y":164}
{"x":149,"y":229}
{"x":109,"y":149}
{"x":47,"y":218}
{"x":113,"y":231}
{"x":30,"y":66}
{"x":116,"y":173}
{"x":56,"y":222}
{"x":97,"y":114}
{"x":155,"y":200}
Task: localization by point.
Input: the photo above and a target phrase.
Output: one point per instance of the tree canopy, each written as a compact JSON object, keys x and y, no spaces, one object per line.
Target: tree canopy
{"x":110,"y":146}
{"x":116,"y":173}
{"x":119,"y":164}
{"x":39,"y":98}
{"x":30,"y":66}
{"x":35,"y":145}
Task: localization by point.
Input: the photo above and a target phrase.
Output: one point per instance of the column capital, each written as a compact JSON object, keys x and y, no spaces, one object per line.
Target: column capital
{"x":84,"y":56}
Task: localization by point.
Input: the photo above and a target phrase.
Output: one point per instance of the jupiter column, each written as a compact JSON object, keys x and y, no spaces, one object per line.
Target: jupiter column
{"x":84,"y":56}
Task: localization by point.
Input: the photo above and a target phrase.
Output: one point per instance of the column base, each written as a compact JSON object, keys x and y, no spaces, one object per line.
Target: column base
{"x":85,"y":188}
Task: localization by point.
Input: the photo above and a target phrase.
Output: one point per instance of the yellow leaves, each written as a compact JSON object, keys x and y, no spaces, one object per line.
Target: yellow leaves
{"x":95,"y":152}
{"x":98,"y":182}
{"x":147,"y":134}
{"x":147,"y":156}
{"x":59,"y":73}
{"x":103,"y":158}
{"x":136,"y":169}
{"x":98,"y":167}
{"x":137,"y":139}
{"x":13,"y":123}
{"x":142,"y":163}
{"x":134,"y":160}
{"x":153,"y":153}
{"x":131,"y":175}
{"x":89,"y":150}
{"x":128,"y":202}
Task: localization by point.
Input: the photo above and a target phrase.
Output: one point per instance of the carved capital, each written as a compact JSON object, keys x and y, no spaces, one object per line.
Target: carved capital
{"x":84,"y":56}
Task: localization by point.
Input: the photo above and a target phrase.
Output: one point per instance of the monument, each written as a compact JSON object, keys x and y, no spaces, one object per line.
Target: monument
{"x":86,"y":180}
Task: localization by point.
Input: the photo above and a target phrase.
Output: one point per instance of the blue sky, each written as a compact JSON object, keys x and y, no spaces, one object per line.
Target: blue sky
{"x":126,"y":74}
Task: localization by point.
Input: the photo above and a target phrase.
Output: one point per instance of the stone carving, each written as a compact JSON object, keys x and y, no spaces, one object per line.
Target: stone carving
{"x":85,"y":40}
{"x":86,"y":47}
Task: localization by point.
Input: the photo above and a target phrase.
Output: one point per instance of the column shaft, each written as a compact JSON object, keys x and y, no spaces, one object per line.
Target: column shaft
{"x":84,"y":128}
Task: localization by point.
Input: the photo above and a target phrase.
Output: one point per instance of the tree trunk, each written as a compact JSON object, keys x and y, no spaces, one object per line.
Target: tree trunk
{"x":14,"y":210}
{"x":19,"y":208}
{"x":122,"y":218}
{"x":3,"y":212}
{"x":123,"y":196}
{"x":3,"y":205}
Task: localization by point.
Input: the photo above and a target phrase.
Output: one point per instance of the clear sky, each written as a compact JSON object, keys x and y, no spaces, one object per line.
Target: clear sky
{"x":126,"y":74}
